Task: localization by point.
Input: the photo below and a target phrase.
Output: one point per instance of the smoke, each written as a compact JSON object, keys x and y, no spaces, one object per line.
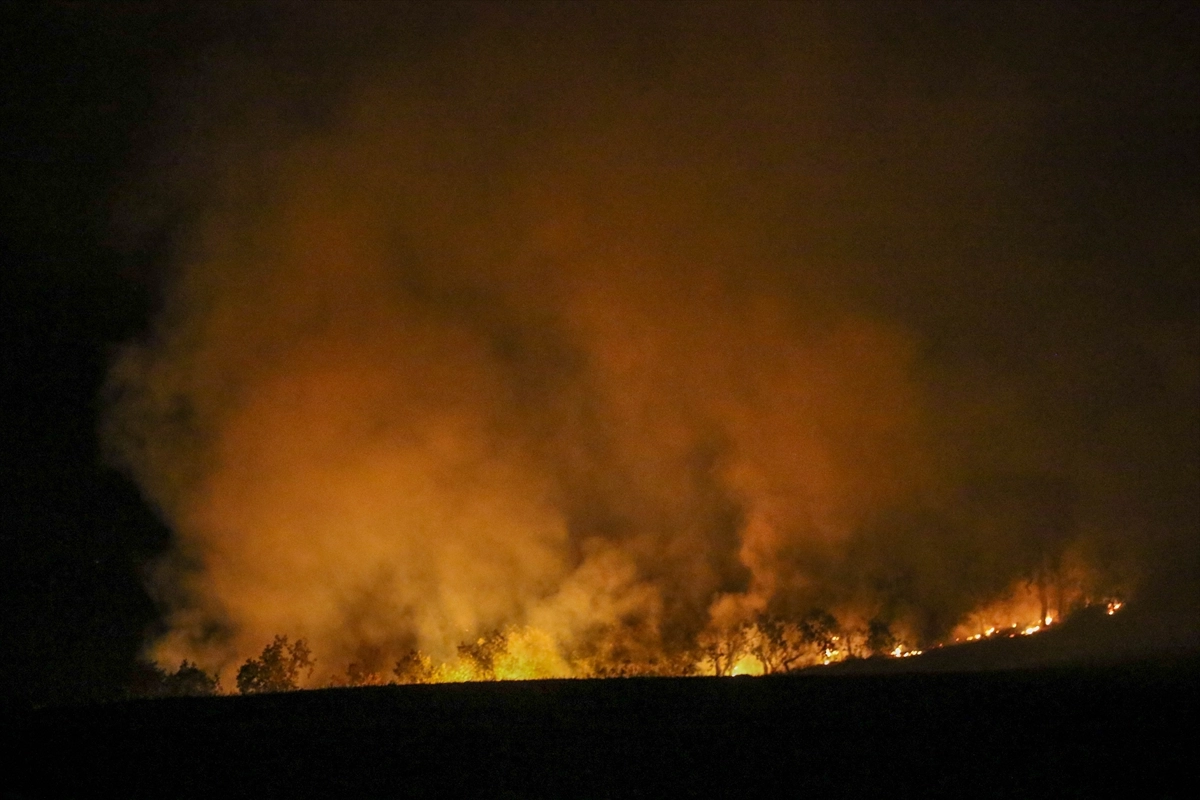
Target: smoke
{"x":618,"y":323}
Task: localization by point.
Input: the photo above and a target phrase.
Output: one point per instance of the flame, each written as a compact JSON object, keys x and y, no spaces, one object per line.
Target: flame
{"x":757,"y":645}
{"x":748,"y":665}
{"x":902,"y":652}
{"x":530,"y":653}
{"x":599,"y":413}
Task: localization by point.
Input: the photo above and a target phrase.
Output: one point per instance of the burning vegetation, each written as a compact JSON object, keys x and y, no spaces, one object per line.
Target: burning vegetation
{"x":764,"y":645}
{"x":539,"y":374}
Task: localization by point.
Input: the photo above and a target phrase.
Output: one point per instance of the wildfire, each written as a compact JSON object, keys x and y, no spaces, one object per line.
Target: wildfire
{"x":901,"y":652}
{"x":762,"y":646}
{"x":529,"y":654}
{"x":748,"y":665}
{"x":1031,"y":627}
{"x":754,"y":649}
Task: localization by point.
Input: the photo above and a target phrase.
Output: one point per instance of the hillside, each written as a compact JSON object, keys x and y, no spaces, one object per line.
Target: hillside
{"x":1063,"y":731}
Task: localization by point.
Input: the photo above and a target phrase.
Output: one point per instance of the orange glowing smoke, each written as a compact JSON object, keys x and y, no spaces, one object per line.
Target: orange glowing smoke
{"x":525,"y":338}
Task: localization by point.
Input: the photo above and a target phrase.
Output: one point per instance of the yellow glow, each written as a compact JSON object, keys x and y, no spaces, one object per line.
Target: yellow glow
{"x":530,"y":654}
{"x":748,"y":665}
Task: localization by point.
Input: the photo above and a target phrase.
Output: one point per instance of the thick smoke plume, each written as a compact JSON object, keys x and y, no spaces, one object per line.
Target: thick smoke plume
{"x":628,"y":323}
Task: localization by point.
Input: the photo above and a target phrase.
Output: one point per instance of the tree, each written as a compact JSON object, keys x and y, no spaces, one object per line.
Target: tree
{"x":413,"y":667}
{"x":187,"y":681}
{"x":481,"y":654}
{"x":778,"y":645}
{"x":880,"y":640}
{"x":190,"y":681}
{"x":820,"y":628}
{"x":277,"y":669}
{"x":722,"y":647}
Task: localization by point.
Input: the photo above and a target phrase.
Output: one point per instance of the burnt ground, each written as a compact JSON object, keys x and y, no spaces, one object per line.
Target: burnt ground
{"x":1101,"y":730}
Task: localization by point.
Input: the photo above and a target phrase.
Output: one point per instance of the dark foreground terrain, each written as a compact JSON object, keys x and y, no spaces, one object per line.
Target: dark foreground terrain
{"x":1112,"y":730}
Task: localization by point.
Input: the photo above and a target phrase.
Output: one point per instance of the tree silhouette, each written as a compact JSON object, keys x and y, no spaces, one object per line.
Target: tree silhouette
{"x":187,"y":681}
{"x":190,"y":681}
{"x":820,"y":628}
{"x":482,"y":653}
{"x":778,"y":645}
{"x":277,"y":669}
{"x":722,"y":647}
{"x":413,"y":667}
{"x":880,"y":640}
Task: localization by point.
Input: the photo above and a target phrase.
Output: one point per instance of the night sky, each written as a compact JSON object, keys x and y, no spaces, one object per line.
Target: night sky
{"x":963,"y":238}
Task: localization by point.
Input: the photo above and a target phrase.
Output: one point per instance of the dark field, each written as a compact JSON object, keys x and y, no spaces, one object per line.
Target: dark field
{"x":1112,"y":730}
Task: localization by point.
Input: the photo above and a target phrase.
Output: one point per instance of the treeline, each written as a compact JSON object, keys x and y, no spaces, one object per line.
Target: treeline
{"x":785,"y":646}
{"x":763,"y":645}
{"x":278,"y":669}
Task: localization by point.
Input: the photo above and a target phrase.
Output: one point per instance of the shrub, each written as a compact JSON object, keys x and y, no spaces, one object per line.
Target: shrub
{"x":277,"y":669}
{"x":413,"y":667}
{"x":187,"y":681}
{"x":191,"y":681}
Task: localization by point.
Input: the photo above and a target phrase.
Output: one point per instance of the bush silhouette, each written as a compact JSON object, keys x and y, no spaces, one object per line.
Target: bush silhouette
{"x":277,"y":669}
{"x":187,"y":681}
{"x":190,"y":681}
{"x":413,"y":667}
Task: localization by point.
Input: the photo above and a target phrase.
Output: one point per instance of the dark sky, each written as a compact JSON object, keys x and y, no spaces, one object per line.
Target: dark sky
{"x":977,"y":224}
